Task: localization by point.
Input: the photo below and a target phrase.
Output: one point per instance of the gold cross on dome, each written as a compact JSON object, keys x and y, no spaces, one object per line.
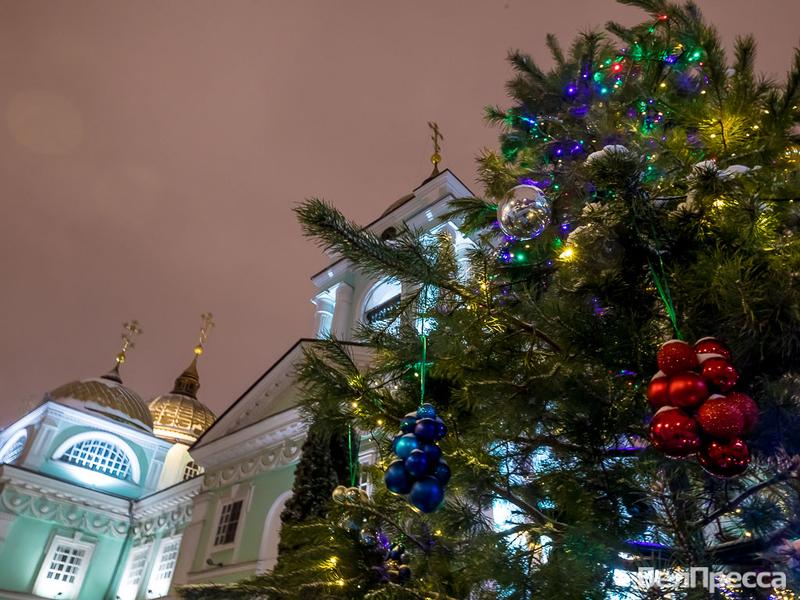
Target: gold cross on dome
{"x":129,"y":333}
{"x":436,"y":136}
{"x":205,"y":328}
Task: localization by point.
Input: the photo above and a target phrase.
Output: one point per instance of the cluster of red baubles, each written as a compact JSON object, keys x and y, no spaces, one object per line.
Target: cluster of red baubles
{"x":698,"y":411}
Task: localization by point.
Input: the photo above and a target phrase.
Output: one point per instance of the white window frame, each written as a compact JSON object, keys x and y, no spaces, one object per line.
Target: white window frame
{"x":21,"y":435}
{"x":46,"y":587}
{"x":126,"y":590}
{"x":197,"y":470}
{"x":136,"y":471}
{"x":372,"y":291}
{"x":154,"y":590}
{"x":218,"y":522}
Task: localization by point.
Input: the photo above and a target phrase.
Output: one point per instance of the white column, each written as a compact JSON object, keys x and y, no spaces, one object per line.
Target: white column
{"x":342,"y":315}
{"x":190,"y":542}
{"x":323,"y":318}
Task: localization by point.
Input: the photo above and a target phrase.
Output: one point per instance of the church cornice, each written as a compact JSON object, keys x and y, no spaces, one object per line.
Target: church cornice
{"x":167,"y":499}
{"x":267,"y":444}
{"x":62,"y":412}
{"x":29,"y":494}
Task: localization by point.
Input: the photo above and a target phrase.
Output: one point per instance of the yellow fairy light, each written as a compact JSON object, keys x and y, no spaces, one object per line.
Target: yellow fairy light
{"x":340,"y":582}
{"x":380,"y":422}
{"x":663,"y":84}
{"x":354,"y":404}
{"x":567,"y":254}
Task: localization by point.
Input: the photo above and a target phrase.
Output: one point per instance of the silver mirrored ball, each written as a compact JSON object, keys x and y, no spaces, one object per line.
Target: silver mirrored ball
{"x":524,"y":213}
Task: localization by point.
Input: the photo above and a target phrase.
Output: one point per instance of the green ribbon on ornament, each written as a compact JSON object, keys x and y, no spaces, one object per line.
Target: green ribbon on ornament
{"x":666,"y":297}
{"x":353,"y":462}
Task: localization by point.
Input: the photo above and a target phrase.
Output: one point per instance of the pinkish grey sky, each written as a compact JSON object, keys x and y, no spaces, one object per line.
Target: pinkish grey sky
{"x":151,"y":152}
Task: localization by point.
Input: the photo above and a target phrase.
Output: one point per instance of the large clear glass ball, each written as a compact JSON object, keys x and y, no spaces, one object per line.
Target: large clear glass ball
{"x":524,"y":213}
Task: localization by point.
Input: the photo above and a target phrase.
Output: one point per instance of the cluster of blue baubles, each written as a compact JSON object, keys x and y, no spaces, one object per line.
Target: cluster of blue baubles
{"x":420,"y":470}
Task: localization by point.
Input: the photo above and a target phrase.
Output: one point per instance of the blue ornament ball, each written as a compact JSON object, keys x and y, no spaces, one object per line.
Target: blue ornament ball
{"x":404,"y":573}
{"x":405,"y":444}
{"x":396,"y":439}
{"x":433,"y":452}
{"x":396,"y":551}
{"x":441,"y":429}
{"x":425,"y":430}
{"x":427,"y":494}
{"x":417,"y":463}
{"x":442,"y":472}
{"x":408,"y":422}
{"x":397,"y":479}
{"x":426,"y":411}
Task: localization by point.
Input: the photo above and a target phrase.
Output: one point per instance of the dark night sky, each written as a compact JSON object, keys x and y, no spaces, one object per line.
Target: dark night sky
{"x":151,"y":152}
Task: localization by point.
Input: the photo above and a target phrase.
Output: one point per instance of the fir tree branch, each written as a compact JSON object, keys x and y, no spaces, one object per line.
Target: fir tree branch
{"x":735,"y":502}
{"x":527,"y":507}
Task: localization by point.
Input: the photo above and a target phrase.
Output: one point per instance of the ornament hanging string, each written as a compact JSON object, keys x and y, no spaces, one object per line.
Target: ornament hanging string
{"x":354,"y":465}
{"x":660,"y":280}
{"x":666,"y":297}
{"x":423,"y":365}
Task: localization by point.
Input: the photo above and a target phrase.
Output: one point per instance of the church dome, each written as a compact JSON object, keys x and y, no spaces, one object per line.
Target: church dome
{"x":179,"y":416}
{"x":105,"y":396}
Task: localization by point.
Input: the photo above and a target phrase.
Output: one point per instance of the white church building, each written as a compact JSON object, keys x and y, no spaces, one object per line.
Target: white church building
{"x":104,"y":496}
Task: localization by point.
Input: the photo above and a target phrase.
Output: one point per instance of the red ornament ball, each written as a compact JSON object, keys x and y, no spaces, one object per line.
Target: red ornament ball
{"x":674,"y":433}
{"x":725,"y":459}
{"x":709,"y":345}
{"x":675,"y":356}
{"x":658,"y":391}
{"x":720,"y":418}
{"x":718,"y":371}
{"x":687,"y":389}
{"x":748,"y":408}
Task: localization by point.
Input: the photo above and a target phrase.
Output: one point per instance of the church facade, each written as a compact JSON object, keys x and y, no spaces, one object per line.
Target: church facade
{"x":97,"y":488}
{"x":104,"y":496}
{"x":250,"y":452}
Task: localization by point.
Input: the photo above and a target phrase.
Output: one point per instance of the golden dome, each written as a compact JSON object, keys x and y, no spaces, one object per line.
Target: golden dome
{"x":179,"y":416}
{"x":105,"y":396}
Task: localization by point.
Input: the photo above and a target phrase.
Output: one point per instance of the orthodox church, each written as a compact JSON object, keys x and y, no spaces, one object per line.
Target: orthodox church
{"x":103,"y":496}
{"x":96,"y":487}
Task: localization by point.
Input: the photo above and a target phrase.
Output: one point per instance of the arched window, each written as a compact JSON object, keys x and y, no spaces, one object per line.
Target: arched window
{"x":192,"y":469}
{"x":100,"y":452}
{"x":381,"y":302}
{"x":99,"y":455}
{"x":270,"y":536}
{"x":14,"y":447}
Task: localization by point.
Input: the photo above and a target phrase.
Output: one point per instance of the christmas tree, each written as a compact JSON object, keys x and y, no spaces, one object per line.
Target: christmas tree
{"x":643,"y":192}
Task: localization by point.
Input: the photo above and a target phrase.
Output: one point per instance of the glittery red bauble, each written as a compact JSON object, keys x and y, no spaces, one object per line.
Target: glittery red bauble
{"x":674,"y":433}
{"x":658,"y":391}
{"x":748,"y":407}
{"x":720,"y":372}
{"x":675,"y":356}
{"x":687,"y":389}
{"x":708,"y":345}
{"x":725,"y":459}
{"x":720,"y":418}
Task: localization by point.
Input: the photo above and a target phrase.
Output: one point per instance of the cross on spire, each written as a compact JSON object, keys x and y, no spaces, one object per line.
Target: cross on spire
{"x":436,"y":136}
{"x":205,"y":329}
{"x":130,"y":330}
